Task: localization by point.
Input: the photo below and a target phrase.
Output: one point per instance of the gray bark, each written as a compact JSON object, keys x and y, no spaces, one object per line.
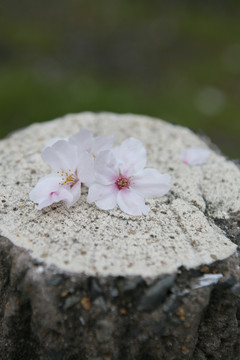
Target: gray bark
{"x":49,"y":314}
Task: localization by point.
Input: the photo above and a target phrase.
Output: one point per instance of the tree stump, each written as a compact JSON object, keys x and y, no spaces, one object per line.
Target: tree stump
{"x":82,"y":283}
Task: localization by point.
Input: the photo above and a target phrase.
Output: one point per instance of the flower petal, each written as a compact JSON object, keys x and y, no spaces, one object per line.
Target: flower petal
{"x":102,"y":143}
{"x":62,"y":155}
{"x":195,"y":155}
{"x":131,"y":203}
{"x":131,"y":155}
{"x":52,"y":141}
{"x":149,"y":183}
{"x":76,"y":193}
{"x":83,"y":140}
{"x":85,"y":168}
{"x":48,"y":190}
{"x":105,"y":196}
{"x":105,"y":168}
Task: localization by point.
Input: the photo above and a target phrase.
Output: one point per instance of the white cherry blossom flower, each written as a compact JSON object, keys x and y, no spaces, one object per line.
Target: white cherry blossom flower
{"x":71,"y":168}
{"x":195,"y":155}
{"x":49,"y":190}
{"x":120,"y":178}
{"x":85,"y":141}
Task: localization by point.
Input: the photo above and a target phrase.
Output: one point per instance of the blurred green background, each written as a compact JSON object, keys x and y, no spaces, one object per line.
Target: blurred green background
{"x":177,"y":60}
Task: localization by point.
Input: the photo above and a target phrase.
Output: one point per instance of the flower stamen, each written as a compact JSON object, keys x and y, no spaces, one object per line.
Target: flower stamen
{"x":123,"y":182}
{"x":68,"y":178}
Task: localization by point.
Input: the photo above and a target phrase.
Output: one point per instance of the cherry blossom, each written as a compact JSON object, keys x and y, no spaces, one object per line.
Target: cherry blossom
{"x":71,"y":168}
{"x":195,"y":155}
{"x":85,"y":141}
{"x":49,"y":190}
{"x":120,"y":178}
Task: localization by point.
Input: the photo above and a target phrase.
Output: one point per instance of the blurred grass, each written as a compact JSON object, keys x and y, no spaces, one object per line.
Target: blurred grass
{"x":140,"y":57}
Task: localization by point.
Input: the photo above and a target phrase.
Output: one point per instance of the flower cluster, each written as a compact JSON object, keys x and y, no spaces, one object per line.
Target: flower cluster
{"x":114,"y":176}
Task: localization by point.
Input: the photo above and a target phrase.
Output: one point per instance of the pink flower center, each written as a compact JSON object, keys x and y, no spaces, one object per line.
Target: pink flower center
{"x":122,"y":182}
{"x":69,"y":178}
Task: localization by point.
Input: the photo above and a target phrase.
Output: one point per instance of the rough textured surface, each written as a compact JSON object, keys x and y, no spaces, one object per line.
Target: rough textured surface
{"x":153,"y":309}
{"x":85,"y":239}
{"x":48,"y":314}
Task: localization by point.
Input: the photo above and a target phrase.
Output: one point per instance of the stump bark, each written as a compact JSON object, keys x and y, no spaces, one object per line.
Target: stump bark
{"x":82,"y":283}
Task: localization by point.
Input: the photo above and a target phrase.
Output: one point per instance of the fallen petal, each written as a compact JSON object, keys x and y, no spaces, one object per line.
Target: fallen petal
{"x":195,"y":155}
{"x":207,"y":280}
